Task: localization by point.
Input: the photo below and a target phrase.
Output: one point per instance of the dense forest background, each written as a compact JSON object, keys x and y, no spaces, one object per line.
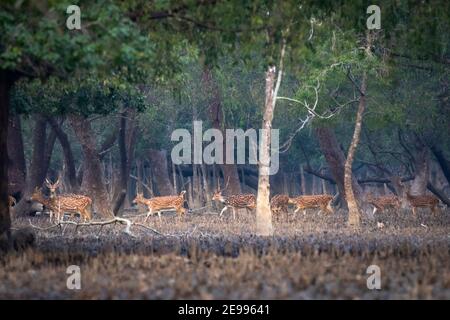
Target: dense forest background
{"x":97,"y":106}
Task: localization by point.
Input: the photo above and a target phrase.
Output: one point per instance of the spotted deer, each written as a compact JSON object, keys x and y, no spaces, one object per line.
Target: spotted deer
{"x":70,"y":203}
{"x":422,"y":201}
{"x":383,"y":202}
{"x":279,"y":203}
{"x":158,"y":204}
{"x":236,"y":201}
{"x":322,"y":201}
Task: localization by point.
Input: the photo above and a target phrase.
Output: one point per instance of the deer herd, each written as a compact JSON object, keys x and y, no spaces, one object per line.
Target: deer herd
{"x":60,"y":204}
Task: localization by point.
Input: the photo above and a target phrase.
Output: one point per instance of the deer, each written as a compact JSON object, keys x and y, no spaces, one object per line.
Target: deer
{"x":382,"y":202}
{"x":157,"y":204}
{"x":421,"y":201}
{"x":279,"y":203}
{"x":236,"y":201}
{"x":71,"y":203}
{"x":322,"y":201}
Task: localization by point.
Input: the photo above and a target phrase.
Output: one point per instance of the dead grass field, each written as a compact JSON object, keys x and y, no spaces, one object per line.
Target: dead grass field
{"x":203,"y":257}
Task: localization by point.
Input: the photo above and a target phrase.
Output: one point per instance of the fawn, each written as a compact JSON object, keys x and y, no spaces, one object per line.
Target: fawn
{"x":383,"y":202}
{"x":157,"y":204}
{"x":279,"y":203}
{"x":71,"y":203}
{"x":236,"y":201}
{"x":322,"y":201}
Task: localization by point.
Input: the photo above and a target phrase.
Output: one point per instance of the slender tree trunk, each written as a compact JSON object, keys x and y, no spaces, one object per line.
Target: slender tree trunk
{"x":206,"y":189}
{"x":230,"y":172}
{"x":93,"y":180}
{"x":263,"y":214}
{"x":17,"y":171}
{"x":68,"y":154}
{"x":352,"y":203}
{"x":302,"y":180}
{"x":174,"y":178}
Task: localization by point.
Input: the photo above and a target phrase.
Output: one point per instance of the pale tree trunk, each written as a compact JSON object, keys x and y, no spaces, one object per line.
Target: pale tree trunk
{"x":229,"y":171}
{"x":174,"y":178}
{"x":352,"y":203}
{"x":206,"y":188}
{"x":93,"y":179}
{"x":263,"y":214}
{"x":335,"y":159}
{"x":302,"y":180}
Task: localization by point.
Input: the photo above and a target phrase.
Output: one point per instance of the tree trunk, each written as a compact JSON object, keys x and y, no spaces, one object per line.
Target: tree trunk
{"x":93,"y":179}
{"x":230,"y":172}
{"x":302,"y":181}
{"x":352,"y":201}
{"x":263,"y":214}
{"x":37,"y":176}
{"x":127,"y":137}
{"x":17,"y":170}
{"x":441,"y":159}
{"x":6,"y":83}
{"x":206,"y":189}
{"x":69,"y":161}
{"x":421,"y":169}
{"x":335,"y":159}
{"x":158,"y":161}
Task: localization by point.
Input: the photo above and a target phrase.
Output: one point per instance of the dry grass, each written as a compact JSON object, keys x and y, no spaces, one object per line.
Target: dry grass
{"x":310,"y":257}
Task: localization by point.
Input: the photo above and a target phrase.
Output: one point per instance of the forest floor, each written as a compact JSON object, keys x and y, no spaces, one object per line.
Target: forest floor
{"x":200,"y":256}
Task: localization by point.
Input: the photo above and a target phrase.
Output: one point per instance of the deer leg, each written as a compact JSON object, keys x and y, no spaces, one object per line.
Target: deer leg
{"x":221,"y":212}
{"x":234,"y":213}
{"x":414,"y":210}
{"x":159,"y":216}
{"x":148,"y":214}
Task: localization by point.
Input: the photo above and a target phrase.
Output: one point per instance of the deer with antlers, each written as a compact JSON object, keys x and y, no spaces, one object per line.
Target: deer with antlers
{"x":381,"y":203}
{"x":279,"y":203}
{"x":60,"y":204}
{"x":322,"y":201}
{"x":236,"y":201}
{"x":158,"y":204}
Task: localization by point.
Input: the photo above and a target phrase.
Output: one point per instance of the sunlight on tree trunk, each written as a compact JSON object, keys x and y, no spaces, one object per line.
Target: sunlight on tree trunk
{"x":263,"y":214}
{"x":353,"y":208}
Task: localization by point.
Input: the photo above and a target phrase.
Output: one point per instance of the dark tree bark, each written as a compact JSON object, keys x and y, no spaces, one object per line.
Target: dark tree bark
{"x":93,"y":180}
{"x":68,"y":154}
{"x":37,"y":175}
{"x":127,"y":139}
{"x":17,"y":170}
{"x":6,"y":83}
{"x":442,"y":160}
{"x":230,"y":172}
{"x":160,"y":171}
